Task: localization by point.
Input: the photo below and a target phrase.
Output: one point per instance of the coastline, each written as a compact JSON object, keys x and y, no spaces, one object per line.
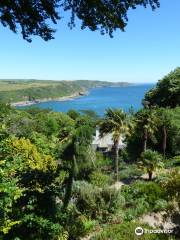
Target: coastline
{"x":59,"y":99}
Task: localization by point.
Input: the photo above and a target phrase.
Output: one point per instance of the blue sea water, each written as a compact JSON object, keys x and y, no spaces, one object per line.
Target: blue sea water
{"x":100,"y":99}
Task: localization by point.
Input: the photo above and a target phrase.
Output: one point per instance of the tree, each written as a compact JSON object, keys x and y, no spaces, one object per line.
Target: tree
{"x":115,"y":122}
{"x":28,"y":192}
{"x":167,"y":91}
{"x":164,"y":124}
{"x":146,"y":124}
{"x":10,"y":192}
{"x":164,"y":136}
{"x":150,"y":161}
{"x":33,"y":16}
{"x":73,"y":114}
{"x":77,"y":155}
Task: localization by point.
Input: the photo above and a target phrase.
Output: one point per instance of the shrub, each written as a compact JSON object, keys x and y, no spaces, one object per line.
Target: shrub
{"x":130,"y":171}
{"x":141,"y":206}
{"x":141,"y":197}
{"x":161,"y":205}
{"x":100,"y":204}
{"x":126,"y":231}
{"x":100,"y":179}
{"x":81,"y":227}
{"x":172,"y":186}
{"x":102,"y":162}
{"x":173,"y":162}
{"x":75,"y":223}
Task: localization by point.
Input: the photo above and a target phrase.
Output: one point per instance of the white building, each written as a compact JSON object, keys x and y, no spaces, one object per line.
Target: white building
{"x":105,"y":143}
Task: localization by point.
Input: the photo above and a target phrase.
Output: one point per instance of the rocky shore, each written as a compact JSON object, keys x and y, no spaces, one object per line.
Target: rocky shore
{"x":60,"y":99}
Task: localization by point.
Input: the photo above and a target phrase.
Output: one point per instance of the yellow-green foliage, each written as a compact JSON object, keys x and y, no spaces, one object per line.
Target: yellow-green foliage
{"x":8,"y":225}
{"x":100,"y":179}
{"x":32,"y":158}
{"x":64,"y":236}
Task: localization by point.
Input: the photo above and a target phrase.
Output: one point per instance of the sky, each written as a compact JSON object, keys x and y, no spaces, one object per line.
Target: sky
{"x":147,"y":50}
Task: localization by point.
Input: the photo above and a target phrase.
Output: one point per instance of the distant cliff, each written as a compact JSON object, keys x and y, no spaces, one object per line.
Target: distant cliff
{"x":14,"y":90}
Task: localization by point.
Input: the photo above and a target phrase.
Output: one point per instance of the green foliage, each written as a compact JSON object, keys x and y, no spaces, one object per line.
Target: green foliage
{"x":31,"y":158}
{"x":117,"y":123}
{"x":5,"y":110}
{"x":81,"y":227}
{"x":150,"y":161}
{"x":173,"y":162}
{"x":174,"y":131}
{"x":141,"y":197}
{"x":102,"y":162}
{"x":143,"y":133}
{"x":27,"y":187}
{"x":44,"y":155}
{"x":126,"y":231}
{"x":73,"y":114}
{"x":168,"y":118}
{"x":167,"y":91}
{"x":10,"y":192}
{"x":100,"y":179}
{"x":129,"y":171}
{"x":161,"y":205}
{"x":34,"y":19}
{"x":63,"y":236}
{"x":172,"y":185}
{"x":99,"y":204}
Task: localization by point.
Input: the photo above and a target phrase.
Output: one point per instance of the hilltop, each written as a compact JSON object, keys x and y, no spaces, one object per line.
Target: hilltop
{"x":14,"y":90}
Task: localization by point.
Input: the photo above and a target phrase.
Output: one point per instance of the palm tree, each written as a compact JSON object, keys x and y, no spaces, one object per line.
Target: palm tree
{"x":146,"y":120}
{"x":115,"y":122}
{"x":150,"y":161}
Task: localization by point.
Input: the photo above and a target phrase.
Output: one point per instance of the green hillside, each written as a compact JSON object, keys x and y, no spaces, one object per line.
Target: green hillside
{"x":24,"y":90}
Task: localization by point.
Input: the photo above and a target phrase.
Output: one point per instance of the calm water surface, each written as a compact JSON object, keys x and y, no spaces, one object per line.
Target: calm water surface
{"x":100,"y":99}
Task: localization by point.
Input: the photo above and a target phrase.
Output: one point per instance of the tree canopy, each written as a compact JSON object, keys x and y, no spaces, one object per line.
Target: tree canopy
{"x":33,"y":16}
{"x":167,"y":91}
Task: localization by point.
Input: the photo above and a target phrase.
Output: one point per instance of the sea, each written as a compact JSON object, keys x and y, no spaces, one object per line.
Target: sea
{"x":99,"y":99}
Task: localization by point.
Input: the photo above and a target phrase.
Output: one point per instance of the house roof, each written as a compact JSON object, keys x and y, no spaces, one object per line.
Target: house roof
{"x":106,"y":141}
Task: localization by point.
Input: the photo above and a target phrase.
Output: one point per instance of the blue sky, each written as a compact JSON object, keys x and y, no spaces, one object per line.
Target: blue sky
{"x":145,"y":52}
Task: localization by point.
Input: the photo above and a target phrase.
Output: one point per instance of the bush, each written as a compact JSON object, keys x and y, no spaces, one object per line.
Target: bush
{"x":99,"y":204}
{"x":102,"y":162}
{"x":161,"y":205}
{"x":138,"y":209}
{"x":126,"y":231}
{"x":129,"y":171}
{"x":172,"y":186}
{"x":100,"y":179}
{"x":141,"y":197}
{"x":75,"y":224}
{"x":80,"y":227}
{"x":151,"y":191}
{"x":173,"y":162}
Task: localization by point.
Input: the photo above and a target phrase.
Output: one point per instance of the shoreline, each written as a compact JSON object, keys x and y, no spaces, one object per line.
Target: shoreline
{"x":59,"y":99}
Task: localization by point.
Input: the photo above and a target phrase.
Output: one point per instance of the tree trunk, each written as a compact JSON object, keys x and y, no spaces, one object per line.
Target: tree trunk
{"x":150,"y":175}
{"x":164,"y":140}
{"x":69,"y":185}
{"x":116,"y":158}
{"x":145,"y":139}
